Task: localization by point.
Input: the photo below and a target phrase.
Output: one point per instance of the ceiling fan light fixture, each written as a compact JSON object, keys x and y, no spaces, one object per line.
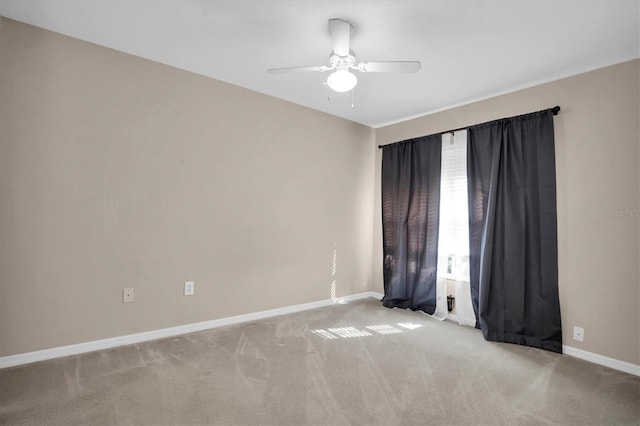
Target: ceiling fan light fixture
{"x":342,"y":81}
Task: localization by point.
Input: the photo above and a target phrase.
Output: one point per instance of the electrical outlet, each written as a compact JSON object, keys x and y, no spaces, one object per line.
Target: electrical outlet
{"x":127,"y":295}
{"x":189,"y":288}
{"x":578,"y":334}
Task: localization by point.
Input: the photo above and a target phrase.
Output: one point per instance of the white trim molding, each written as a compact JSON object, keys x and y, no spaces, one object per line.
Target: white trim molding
{"x":58,"y":352}
{"x":616,"y":364}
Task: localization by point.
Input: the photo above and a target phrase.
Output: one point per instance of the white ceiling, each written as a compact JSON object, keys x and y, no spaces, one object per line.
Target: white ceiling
{"x":469,"y":50}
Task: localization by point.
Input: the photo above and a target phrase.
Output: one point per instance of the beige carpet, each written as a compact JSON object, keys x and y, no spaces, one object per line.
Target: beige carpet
{"x":357,"y":363}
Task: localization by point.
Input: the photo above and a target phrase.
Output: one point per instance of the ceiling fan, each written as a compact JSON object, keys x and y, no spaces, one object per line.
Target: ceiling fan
{"x":342,"y":59}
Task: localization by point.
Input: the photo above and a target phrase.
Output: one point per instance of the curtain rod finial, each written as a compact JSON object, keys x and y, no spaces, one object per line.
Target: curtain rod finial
{"x":555,"y":110}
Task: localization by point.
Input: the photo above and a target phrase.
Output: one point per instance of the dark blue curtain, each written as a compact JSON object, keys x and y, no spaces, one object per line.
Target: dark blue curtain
{"x":410,"y":210}
{"x":513,"y":231}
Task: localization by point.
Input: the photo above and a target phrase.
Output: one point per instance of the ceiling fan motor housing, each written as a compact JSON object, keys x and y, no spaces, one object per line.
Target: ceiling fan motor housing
{"x":342,"y":62}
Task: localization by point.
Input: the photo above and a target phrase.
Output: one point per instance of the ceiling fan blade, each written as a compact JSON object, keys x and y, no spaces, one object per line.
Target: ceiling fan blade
{"x":296,"y":69}
{"x":390,"y":66}
{"x":340,"y":33}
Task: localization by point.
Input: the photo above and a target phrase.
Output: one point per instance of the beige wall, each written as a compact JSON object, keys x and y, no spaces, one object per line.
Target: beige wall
{"x":120,"y":172}
{"x":597,"y":160}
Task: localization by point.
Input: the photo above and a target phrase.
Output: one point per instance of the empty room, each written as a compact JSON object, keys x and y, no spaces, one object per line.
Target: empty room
{"x":269,"y":212}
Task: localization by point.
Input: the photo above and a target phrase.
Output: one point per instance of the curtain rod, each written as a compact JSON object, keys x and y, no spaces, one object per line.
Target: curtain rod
{"x":555,"y":110}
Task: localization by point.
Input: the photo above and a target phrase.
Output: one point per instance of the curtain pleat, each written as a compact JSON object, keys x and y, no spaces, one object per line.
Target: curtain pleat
{"x":410,"y":210}
{"x":513,"y":231}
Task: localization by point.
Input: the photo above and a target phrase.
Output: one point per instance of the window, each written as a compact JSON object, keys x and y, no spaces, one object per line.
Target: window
{"x":453,"y":239}
{"x":454,"y":292}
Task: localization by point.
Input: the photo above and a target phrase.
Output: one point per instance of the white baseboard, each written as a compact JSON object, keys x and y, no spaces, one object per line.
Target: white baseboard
{"x":358,"y":296}
{"x":616,"y":364}
{"x":45,"y":354}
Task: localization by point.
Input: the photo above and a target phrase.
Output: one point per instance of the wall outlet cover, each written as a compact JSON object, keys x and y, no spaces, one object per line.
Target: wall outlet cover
{"x":127,"y":295}
{"x":189,"y":288}
{"x":578,"y":334}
